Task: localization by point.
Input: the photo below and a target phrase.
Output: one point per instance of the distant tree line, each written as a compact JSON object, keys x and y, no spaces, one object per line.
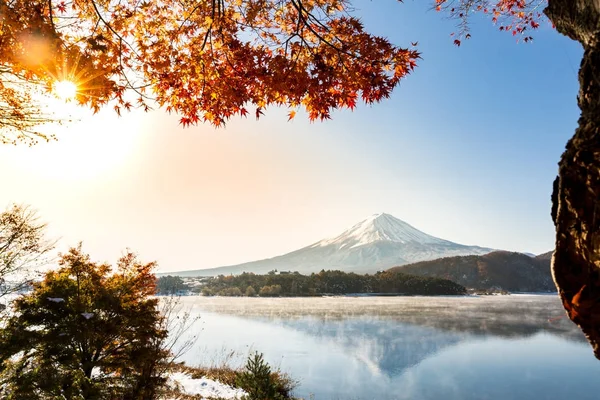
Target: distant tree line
{"x":170,"y":285}
{"x":328,"y":282}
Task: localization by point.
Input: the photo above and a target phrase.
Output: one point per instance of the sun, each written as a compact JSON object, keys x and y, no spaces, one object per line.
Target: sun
{"x":65,"y":90}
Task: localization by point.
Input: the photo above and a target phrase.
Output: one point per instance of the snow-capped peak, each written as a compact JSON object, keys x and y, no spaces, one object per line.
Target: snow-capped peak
{"x":380,"y":227}
{"x":378,"y":242}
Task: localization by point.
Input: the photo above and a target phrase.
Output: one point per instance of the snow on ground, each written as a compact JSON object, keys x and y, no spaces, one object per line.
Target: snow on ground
{"x":205,"y":387}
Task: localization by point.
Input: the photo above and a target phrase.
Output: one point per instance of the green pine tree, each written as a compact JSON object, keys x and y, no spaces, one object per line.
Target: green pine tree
{"x":257,"y":380}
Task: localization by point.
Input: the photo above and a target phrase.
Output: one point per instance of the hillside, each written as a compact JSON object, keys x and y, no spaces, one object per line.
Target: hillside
{"x":379,"y":242}
{"x":545,"y":256}
{"x":515,"y":272}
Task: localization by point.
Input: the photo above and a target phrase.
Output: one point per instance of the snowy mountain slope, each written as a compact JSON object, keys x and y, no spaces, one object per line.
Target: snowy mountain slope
{"x":379,"y":227}
{"x":376,"y":243}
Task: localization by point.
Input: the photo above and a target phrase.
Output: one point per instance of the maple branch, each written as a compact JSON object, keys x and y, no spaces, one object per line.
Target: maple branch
{"x":301,"y":11}
{"x":129,"y":84}
{"x":50,"y":15}
{"x":186,"y":19}
{"x":500,"y":10}
{"x":121,"y":41}
{"x":110,"y":28}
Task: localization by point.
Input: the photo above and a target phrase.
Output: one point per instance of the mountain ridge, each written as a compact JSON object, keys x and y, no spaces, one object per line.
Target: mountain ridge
{"x":511,"y":271}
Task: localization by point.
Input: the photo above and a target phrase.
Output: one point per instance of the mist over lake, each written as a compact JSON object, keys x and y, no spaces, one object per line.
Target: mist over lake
{"x":489,"y":347}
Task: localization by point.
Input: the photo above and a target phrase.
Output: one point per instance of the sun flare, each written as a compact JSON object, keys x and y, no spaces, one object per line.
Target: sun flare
{"x":65,"y":90}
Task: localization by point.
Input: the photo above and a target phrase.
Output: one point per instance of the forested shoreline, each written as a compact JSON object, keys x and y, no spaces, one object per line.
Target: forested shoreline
{"x":324,"y":283}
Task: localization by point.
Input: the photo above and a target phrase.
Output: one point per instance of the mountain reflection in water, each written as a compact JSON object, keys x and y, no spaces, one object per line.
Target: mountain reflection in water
{"x":497,"y":347}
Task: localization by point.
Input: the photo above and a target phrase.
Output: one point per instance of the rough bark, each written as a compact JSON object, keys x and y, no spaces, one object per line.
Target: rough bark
{"x":576,"y":195}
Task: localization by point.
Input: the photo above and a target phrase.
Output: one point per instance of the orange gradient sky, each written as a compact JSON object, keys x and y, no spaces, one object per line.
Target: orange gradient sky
{"x":199,"y":198}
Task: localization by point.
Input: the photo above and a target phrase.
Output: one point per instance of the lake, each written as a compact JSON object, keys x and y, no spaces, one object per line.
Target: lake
{"x":489,"y":347}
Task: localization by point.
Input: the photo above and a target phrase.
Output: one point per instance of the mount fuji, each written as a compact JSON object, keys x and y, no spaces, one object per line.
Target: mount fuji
{"x":379,"y":242}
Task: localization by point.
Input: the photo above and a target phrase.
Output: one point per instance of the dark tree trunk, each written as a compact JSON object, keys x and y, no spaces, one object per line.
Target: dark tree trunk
{"x":576,"y":196}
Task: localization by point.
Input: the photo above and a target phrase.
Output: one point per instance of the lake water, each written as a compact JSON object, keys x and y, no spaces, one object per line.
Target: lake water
{"x":491,"y":347}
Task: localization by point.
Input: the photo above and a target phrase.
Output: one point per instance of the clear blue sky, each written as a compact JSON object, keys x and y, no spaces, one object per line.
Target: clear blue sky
{"x":466,"y":149}
{"x":479,"y":128}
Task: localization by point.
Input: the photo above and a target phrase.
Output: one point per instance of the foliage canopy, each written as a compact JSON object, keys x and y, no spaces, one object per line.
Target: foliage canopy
{"x":85,"y":332}
{"x":208,"y":60}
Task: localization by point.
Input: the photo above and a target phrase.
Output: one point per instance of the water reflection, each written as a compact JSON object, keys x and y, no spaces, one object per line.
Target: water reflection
{"x":386,"y":345}
{"x":516,"y":347}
